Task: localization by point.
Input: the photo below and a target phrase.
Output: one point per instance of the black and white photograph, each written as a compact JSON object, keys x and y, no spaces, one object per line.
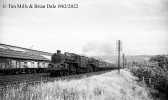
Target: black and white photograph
{"x":83,"y":49}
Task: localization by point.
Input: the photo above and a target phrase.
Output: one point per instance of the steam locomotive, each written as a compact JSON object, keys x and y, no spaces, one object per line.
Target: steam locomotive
{"x":70,"y":63}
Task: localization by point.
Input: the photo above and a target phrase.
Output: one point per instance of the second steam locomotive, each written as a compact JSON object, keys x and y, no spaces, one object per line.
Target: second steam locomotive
{"x":70,"y":63}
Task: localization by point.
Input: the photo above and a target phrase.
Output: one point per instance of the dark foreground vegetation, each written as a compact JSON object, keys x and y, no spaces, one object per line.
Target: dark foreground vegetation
{"x":154,"y":73}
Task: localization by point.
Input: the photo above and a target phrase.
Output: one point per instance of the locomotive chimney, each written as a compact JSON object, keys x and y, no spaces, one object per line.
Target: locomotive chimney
{"x":58,"y":51}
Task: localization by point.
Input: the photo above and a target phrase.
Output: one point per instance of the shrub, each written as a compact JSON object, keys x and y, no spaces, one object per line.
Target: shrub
{"x":157,"y":72}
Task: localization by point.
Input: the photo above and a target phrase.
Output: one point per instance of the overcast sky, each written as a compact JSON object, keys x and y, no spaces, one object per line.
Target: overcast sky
{"x":91,"y":29}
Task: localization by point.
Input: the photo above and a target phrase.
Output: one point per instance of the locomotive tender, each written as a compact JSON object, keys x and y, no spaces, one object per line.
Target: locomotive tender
{"x":70,"y":63}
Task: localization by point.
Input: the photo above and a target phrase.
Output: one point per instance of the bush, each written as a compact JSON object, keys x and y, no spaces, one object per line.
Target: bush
{"x":155,"y":69}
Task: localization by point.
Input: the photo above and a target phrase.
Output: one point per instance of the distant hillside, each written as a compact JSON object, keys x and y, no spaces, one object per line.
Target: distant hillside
{"x":114,"y":59}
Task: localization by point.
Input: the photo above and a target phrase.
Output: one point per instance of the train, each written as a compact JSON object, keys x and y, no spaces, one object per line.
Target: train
{"x":59,"y":65}
{"x":71,"y":63}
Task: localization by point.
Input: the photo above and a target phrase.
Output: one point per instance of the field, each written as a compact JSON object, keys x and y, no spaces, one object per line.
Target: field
{"x":107,"y":86}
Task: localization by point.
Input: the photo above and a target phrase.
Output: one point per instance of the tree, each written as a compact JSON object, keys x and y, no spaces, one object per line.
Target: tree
{"x":162,"y":61}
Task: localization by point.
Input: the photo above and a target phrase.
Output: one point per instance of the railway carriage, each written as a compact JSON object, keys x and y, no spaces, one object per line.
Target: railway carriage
{"x":17,"y":62}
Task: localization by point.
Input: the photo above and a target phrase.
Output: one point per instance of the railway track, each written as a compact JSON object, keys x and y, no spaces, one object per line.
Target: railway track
{"x":34,"y":79}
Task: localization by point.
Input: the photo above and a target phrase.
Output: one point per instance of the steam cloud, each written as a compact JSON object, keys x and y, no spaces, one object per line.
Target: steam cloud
{"x":98,"y":49}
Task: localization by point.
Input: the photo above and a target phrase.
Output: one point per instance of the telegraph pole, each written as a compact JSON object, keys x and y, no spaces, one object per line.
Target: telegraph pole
{"x":119,"y":49}
{"x":123,"y":60}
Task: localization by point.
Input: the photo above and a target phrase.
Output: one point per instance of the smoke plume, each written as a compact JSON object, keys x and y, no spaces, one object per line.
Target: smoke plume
{"x":98,"y":49}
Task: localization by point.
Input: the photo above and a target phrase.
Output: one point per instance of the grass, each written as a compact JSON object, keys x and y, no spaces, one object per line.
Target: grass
{"x":108,"y":86}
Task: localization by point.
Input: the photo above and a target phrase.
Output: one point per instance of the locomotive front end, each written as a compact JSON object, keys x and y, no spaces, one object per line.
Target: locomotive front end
{"x":57,"y":59}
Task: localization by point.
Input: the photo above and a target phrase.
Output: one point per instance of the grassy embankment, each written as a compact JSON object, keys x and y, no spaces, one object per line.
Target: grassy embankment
{"x":108,"y":86}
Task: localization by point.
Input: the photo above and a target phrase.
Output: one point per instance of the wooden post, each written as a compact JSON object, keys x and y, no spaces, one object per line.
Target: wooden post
{"x":119,"y":49}
{"x":118,"y":61}
{"x":123,"y":60}
{"x":143,"y":79}
{"x":150,"y":81}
